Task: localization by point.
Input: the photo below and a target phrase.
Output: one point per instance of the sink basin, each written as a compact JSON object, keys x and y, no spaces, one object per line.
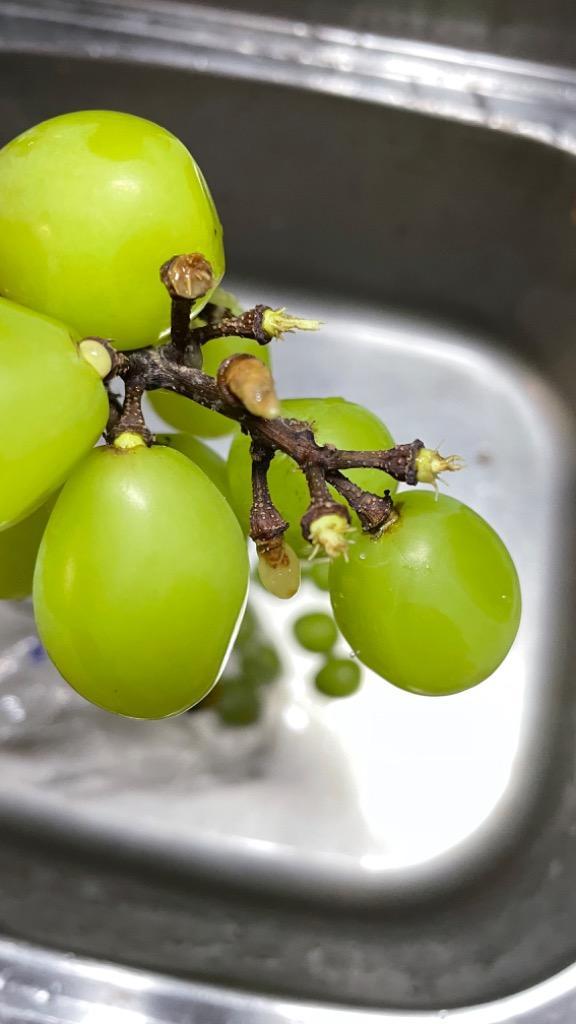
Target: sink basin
{"x":389,"y":854}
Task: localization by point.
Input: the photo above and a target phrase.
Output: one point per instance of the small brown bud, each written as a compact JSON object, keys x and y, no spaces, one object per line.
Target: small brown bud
{"x":251,"y":382}
{"x":187,"y":277}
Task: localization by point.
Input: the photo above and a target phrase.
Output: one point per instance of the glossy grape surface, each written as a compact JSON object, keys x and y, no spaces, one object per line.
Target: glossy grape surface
{"x":53,"y":408}
{"x":192,"y":418}
{"x":433,"y":605}
{"x":91,"y":204}
{"x":140,"y":581}
{"x":335,"y":421}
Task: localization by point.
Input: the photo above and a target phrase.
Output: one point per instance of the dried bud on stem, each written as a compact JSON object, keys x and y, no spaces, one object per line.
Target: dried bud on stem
{"x":251,"y":382}
{"x":187,"y":277}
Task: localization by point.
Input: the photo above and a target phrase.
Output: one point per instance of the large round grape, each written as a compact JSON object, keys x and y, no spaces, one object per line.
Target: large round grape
{"x":140,"y":581}
{"x":91,"y":203}
{"x":433,"y":605}
{"x":53,"y":408}
{"x":18,"y":551}
{"x":335,"y":421}
{"x":192,"y":418}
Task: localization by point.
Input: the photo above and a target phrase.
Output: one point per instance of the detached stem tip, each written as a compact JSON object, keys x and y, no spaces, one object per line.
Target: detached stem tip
{"x":276,"y":322}
{"x":430,"y":464}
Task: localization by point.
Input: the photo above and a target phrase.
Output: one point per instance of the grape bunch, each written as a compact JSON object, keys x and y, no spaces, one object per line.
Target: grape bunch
{"x":134,"y":545}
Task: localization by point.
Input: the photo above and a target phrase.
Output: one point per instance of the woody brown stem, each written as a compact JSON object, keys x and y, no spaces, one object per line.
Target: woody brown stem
{"x":373,"y":510}
{"x":266,"y":523}
{"x":131,"y":419}
{"x":399,"y":462}
{"x":247,"y":325}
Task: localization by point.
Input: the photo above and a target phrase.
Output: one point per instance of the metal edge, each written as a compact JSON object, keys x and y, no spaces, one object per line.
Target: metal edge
{"x":40,"y":986}
{"x":504,"y":94}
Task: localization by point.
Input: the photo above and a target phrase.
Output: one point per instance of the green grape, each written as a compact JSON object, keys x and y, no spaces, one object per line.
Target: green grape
{"x":192,"y":418}
{"x":238,"y":703}
{"x":53,"y":408}
{"x":209,"y":461}
{"x":336,"y":422}
{"x":226,"y":300}
{"x":18,"y":551}
{"x":91,"y":204}
{"x":316,"y":632}
{"x":140,"y":581}
{"x":319,"y":574}
{"x":338,"y":677}
{"x":260,"y":663}
{"x":433,"y":605}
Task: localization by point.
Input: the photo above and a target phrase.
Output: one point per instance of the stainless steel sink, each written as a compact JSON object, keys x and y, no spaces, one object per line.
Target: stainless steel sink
{"x":390,"y":855}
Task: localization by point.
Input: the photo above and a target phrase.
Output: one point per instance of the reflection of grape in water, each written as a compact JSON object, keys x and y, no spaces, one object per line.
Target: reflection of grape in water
{"x":238,"y":702}
{"x":254,"y":662}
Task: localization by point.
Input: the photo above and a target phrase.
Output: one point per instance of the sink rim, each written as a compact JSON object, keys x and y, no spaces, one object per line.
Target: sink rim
{"x":504,"y":94}
{"x":48,"y":985}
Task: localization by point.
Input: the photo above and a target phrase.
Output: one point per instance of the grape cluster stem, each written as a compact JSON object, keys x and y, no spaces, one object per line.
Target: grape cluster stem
{"x":176,"y":366}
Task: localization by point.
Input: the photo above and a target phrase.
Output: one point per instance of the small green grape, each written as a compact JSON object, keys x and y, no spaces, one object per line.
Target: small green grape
{"x":336,"y":422}
{"x":238,"y":703}
{"x":338,"y":677}
{"x":316,"y":631}
{"x":209,"y":461}
{"x":319,"y":574}
{"x":192,"y":418}
{"x":91,"y":203}
{"x":433,"y":605}
{"x":260,"y":663}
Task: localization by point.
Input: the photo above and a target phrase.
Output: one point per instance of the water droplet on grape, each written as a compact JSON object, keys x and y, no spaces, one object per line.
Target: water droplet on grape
{"x":362,"y":557}
{"x":41,"y":996}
